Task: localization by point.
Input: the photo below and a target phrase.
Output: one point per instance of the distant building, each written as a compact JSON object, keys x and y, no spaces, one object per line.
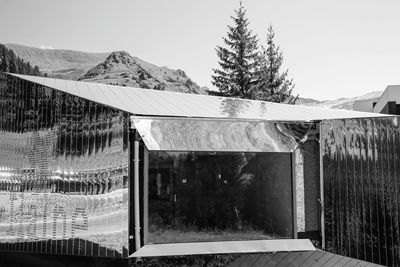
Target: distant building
{"x":364,"y":105}
{"x":388,"y":103}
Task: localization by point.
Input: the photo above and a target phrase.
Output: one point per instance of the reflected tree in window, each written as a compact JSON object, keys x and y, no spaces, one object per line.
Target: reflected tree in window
{"x":197,"y":196}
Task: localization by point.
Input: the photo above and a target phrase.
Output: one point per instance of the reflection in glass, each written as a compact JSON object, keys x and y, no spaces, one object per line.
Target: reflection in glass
{"x":193,"y":134}
{"x":233,"y":107}
{"x":361,"y":188}
{"x":62,"y":163}
{"x":198,"y":196}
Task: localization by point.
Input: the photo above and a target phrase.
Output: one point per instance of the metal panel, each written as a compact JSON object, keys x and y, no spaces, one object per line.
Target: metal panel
{"x":219,"y":135}
{"x":361,"y":185}
{"x":63,"y":172}
{"x":162,"y":103}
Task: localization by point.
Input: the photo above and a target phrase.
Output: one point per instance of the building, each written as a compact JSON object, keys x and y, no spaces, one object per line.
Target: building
{"x":110,"y":171}
{"x":388,"y":103}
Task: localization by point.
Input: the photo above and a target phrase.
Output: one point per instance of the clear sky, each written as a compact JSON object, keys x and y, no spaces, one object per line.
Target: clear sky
{"x":336,"y":48}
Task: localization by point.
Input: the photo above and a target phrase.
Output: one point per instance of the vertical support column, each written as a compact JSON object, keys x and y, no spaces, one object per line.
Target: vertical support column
{"x":136,"y":194}
{"x":131,"y":225}
{"x":145,"y":194}
{"x":135,"y":190}
{"x":294,"y":198}
{"x":321,"y":188}
{"x":312,"y":188}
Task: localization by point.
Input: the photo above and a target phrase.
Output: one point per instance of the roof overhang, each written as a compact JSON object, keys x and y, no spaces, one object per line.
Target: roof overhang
{"x":147,"y":102}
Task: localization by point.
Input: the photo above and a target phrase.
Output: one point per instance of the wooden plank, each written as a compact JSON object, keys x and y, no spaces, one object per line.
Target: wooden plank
{"x":277,"y":258}
{"x":325,"y":258}
{"x":370,"y":264}
{"x":314,"y":258}
{"x":352,"y":262}
{"x":239,"y":261}
{"x":303,"y":257}
{"x":290,"y":259}
{"x":332,"y":261}
{"x":263,"y":260}
{"x":343,"y":261}
{"x":254,"y":258}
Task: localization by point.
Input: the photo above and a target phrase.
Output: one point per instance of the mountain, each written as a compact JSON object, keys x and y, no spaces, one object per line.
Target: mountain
{"x":120,"y":68}
{"x":341,"y":103}
{"x":59,"y":63}
{"x":115,"y":68}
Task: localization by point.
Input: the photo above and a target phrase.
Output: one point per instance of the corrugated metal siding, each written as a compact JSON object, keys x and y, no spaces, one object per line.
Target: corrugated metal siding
{"x":162,"y":103}
{"x":361,"y":173}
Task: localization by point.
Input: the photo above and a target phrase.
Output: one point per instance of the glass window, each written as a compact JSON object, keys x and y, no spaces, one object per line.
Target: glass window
{"x":202,"y":196}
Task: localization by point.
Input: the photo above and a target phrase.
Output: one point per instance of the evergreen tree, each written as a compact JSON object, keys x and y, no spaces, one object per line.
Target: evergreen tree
{"x":4,"y":59}
{"x":272,"y":84}
{"x":9,"y":62}
{"x":238,"y":60}
{"x":13,"y":62}
{"x":29,"y":69}
{"x":36,"y":71}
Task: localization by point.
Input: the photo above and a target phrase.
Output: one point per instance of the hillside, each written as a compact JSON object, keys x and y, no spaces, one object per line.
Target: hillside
{"x":59,"y":63}
{"x":10,"y":62}
{"x":116,"y":68}
{"x":120,"y":68}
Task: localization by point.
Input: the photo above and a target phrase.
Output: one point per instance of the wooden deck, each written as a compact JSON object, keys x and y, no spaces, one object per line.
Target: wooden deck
{"x":306,"y":259}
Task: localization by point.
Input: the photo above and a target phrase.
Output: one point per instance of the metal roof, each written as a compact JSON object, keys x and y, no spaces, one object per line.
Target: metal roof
{"x":162,"y":103}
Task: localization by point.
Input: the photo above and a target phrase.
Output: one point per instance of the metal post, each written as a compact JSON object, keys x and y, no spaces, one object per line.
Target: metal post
{"x":136,"y":195}
{"x":145,"y":229}
{"x":294,"y":192}
{"x":321,"y":188}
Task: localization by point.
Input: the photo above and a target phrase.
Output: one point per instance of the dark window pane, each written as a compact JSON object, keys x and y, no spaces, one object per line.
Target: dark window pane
{"x":196,"y":196}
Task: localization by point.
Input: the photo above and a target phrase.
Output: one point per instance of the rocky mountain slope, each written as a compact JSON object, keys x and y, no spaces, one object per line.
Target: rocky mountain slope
{"x":120,"y":68}
{"x":341,"y":103}
{"x":59,"y":63}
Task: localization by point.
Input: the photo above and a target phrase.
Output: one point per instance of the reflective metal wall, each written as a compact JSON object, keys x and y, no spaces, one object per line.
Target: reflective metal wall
{"x":230,"y":135}
{"x":63,"y":173}
{"x":361,"y":172}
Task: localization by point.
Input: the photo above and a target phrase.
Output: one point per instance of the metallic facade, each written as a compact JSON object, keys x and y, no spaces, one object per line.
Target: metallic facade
{"x":188,"y":134}
{"x":63,"y":172}
{"x":361,"y":174}
{"x":64,"y":163}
